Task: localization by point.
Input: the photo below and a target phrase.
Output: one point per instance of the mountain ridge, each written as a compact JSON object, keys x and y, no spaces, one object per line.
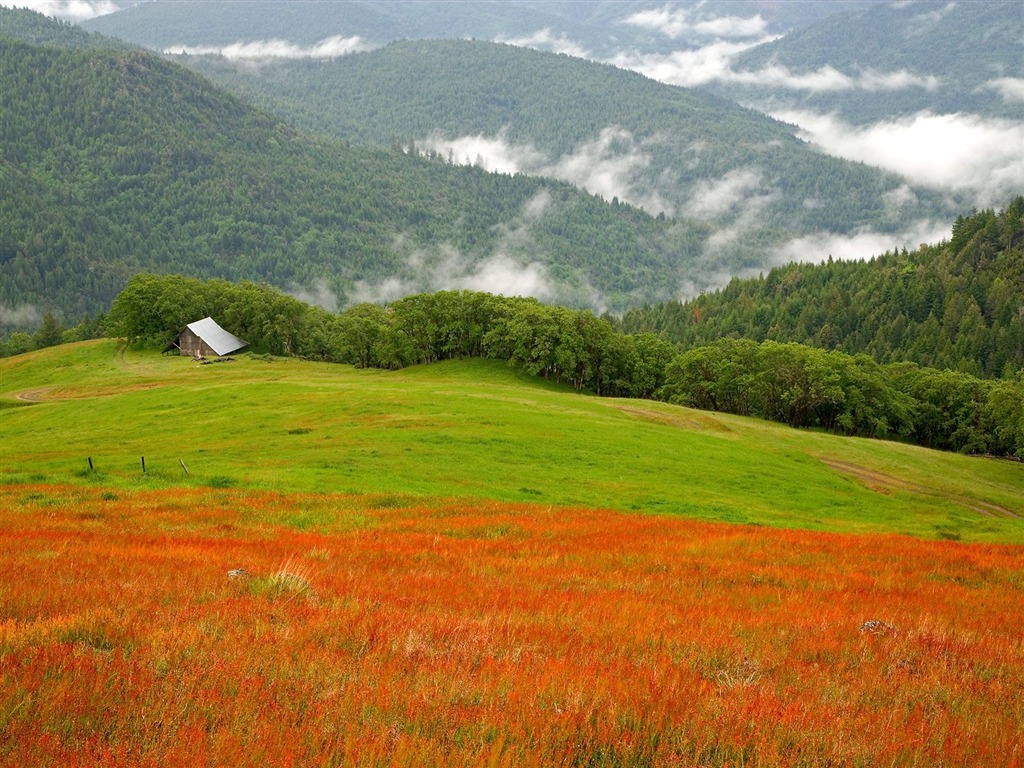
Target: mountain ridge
{"x":121,"y":161}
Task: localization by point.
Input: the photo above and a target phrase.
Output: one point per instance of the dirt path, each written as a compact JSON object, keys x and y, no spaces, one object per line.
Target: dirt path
{"x":880,"y":482}
{"x":32,"y":395}
{"x":692,"y":420}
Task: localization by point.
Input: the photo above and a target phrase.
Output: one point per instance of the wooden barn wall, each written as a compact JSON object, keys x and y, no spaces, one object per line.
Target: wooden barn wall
{"x":192,"y":346}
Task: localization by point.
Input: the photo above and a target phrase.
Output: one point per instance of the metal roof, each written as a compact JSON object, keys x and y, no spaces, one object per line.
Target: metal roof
{"x":219,"y":340}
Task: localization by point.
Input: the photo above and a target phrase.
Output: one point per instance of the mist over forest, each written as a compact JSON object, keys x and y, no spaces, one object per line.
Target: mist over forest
{"x":733,"y":137}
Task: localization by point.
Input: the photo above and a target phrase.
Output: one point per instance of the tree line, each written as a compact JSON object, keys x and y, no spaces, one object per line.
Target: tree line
{"x":786,"y":382}
{"x":955,"y":305}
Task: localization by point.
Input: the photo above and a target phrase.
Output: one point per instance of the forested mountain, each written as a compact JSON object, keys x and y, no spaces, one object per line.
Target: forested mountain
{"x":599,"y":27}
{"x":31,"y":27}
{"x":694,"y":156}
{"x":956,"y":305}
{"x":115,"y":162}
{"x":964,"y":55}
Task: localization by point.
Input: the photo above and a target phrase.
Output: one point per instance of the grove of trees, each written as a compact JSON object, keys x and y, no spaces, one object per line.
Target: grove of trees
{"x":786,"y":382}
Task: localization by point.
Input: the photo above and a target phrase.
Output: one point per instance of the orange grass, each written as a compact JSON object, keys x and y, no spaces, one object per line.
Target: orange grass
{"x":494,"y":634}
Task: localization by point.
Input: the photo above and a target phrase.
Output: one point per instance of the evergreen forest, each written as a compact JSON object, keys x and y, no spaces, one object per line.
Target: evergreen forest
{"x":963,"y":47}
{"x":115,"y":162}
{"x":673,"y":150}
{"x":956,"y":305}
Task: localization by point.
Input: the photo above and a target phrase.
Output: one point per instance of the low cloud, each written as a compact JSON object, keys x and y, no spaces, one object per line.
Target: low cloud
{"x":959,"y":152}
{"x":689,"y":68}
{"x":546,"y":40}
{"x":609,"y":165}
{"x":261,"y":50}
{"x":864,"y":244}
{"x":447,"y":269}
{"x":20,"y":316}
{"x":72,"y":10}
{"x":714,"y":198}
{"x":1010,"y":88}
{"x":683,"y":22}
{"x":932,"y":17}
{"x":511,"y":269}
{"x":713,"y":63}
{"x":319,"y":294}
{"x":501,"y":275}
{"x":492,"y":153}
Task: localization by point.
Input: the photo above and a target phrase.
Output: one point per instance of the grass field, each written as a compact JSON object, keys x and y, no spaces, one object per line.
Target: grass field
{"x":471,"y":430}
{"x":453,"y":565}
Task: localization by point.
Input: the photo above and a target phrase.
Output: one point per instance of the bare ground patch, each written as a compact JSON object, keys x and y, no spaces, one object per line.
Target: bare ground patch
{"x":33,"y":395}
{"x":883,"y":483}
{"x":692,"y":421}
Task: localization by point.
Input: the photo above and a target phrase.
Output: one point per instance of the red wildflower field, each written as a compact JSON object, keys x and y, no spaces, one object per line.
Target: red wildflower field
{"x":385,"y":634}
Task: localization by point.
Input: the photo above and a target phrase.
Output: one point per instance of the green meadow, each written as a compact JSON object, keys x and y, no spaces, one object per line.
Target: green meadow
{"x":469,"y":430}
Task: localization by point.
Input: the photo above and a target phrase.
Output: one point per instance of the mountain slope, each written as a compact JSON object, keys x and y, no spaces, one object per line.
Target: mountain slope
{"x":114,"y":162}
{"x":31,"y":27}
{"x":956,"y":305}
{"x":600,"y":27}
{"x":693,"y":156}
{"x":971,"y":52}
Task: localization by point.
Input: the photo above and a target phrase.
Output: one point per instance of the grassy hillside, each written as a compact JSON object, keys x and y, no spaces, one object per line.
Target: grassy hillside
{"x":471,"y":430}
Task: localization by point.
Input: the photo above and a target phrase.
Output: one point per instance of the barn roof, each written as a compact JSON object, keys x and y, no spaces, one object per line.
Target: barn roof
{"x":219,"y":340}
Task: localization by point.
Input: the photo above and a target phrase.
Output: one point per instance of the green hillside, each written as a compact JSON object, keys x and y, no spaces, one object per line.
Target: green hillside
{"x":31,"y":27}
{"x":469,"y":429}
{"x":965,"y":46}
{"x":956,"y":305}
{"x":681,"y":151}
{"x":114,"y":162}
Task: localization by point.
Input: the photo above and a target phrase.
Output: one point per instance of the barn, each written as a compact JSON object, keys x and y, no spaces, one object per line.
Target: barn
{"x":204,"y":338}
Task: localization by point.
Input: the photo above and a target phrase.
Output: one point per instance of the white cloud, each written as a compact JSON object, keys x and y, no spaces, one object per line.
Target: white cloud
{"x":257,"y":50}
{"x":870,"y":80}
{"x":858,"y":245}
{"x":513,"y":268}
{"x":933,"y":17}
{"x":1010,"y":88}
{"x":901,"y":197}
{"x":689,"y":68}
{"x":714,"y":63}
{"x":958,"y":152}
{"x":608,"y":166}
{"x":388,"y":290}
{"x":73,"y":10}
{"x":676,"y":23}
{"x":714,"y":198}
{"x":319,"y":294}
{"x":447,"y":269}
{"x":546,"y":40}
{"x":20,"y":316}
{"x":501,"y":275}
{"x":737,"y":203}
{"x":493,"y":153}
